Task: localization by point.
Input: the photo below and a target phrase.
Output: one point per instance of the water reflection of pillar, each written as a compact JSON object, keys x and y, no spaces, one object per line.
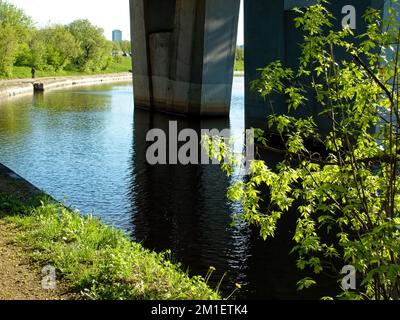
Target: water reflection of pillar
{"x":273,"y":273}
{"x":184,"y":208}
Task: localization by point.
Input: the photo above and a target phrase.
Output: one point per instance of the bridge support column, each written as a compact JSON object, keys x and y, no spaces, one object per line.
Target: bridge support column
{"x":270,"y":35}
{"x":264,"y":34}
{"x":184,"y":53}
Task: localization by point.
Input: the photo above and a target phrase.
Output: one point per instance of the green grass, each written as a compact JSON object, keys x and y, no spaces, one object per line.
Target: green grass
{"x":115,"y":67}
{"x":239,"y":65}
{"x":97,"y":261}
{"x":124,"y":65}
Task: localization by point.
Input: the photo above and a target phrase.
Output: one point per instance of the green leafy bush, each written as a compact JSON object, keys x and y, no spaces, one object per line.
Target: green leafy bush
{"x":346,"y":192}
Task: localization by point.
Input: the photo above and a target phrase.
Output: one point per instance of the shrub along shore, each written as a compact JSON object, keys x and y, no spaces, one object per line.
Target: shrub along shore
{"x":120,"y":65}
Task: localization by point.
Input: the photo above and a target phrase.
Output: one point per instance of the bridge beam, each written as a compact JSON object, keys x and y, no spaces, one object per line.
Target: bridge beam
{"x":184,"y":53}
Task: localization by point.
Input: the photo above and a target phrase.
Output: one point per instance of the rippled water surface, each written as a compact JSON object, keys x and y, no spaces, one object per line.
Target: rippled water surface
{"x":87,"y":146}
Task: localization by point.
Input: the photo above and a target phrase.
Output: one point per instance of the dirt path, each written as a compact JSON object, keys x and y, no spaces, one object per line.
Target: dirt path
{"x":20,"y":280}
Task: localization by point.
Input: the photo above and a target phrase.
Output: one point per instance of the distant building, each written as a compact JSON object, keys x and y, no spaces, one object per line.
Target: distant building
{"x":117,"y":36}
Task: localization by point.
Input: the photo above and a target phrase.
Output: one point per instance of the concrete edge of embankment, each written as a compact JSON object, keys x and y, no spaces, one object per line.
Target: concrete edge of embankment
{"x":51,"y":84}
{"x":12,"y":184}
{"x":14,"y":88}
{"x":19,"y":87}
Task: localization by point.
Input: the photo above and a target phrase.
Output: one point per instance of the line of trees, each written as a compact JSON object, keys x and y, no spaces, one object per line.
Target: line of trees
{"x":79,"y":46}
{"x":239,"y":59}
{"x":123,"y":47}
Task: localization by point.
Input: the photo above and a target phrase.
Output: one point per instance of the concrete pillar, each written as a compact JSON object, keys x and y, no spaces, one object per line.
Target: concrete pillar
{"x":184,"y":54}
{"x":270,"y":35}
{"x":264,"y":36}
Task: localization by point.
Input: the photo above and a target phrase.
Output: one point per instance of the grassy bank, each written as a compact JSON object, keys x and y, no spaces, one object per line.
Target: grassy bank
{"x":94,"y":260}
{"x":124,"y":64}
{"x":239,"y":65}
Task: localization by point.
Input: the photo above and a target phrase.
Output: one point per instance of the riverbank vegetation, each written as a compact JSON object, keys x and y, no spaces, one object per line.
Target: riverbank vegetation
{"x":339,"y":168}
{"x":239,"y":59}
{"x":94,"y":260}
{"x":75,"y":48}
{"x":122,"y":64}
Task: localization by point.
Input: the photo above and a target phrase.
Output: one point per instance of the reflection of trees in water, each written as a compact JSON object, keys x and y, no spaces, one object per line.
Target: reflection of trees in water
{"x":18,"y":115}
{"x":14,"y":116}
{"x":77,"y":108}
{"x":72,"y":101}
{"x":82,"y":109}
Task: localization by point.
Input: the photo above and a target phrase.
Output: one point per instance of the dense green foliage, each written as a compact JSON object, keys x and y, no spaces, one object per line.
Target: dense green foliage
{"x":343,"y":186}
{"x":79,"y":46}
{"x":14,"y":33}
{"x":124,"y":47}
{"x":97,"y":261}
{"x":239,"y":59}
{"x":94,"y":50}
{"x":117,"y":65}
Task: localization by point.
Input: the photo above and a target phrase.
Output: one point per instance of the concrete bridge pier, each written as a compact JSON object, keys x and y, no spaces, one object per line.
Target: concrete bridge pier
{"x":184,"y":53}
{"x":264,"y":34}
{"x":271,"y":35}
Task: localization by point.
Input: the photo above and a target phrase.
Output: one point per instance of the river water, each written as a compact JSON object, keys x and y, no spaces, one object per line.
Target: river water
{"x":86,"y":146}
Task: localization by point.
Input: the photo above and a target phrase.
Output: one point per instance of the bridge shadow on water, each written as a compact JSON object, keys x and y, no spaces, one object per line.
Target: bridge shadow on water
{"x":185,"y":209}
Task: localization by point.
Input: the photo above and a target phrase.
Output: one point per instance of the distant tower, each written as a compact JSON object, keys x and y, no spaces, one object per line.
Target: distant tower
{"x":117,"y":36}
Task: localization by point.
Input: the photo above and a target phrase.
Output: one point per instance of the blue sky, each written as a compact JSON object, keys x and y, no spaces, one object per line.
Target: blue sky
{"x":109,"y":15}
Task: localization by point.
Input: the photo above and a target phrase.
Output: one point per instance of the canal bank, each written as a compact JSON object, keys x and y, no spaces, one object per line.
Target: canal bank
{"x":90,"y":260}
{"x":20,"y":87}
{"x":85,"y":140}
{"x":14,"y":185}
{"x":19,"y":278}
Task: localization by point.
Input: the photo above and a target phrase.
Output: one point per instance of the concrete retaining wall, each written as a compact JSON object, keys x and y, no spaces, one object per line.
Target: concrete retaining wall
{"x":14,"y":185}
{"x":184,"y":55}
{"x":57,"y":83}
{"x":14,"y":88}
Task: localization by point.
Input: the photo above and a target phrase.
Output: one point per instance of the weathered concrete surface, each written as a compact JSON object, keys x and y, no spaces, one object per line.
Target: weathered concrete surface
{"x":9,"y":89}
{"x":184,"y":51}
{"x":184,"y":54}
{"x":62,"y":82}
{"x":264,"y":33}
